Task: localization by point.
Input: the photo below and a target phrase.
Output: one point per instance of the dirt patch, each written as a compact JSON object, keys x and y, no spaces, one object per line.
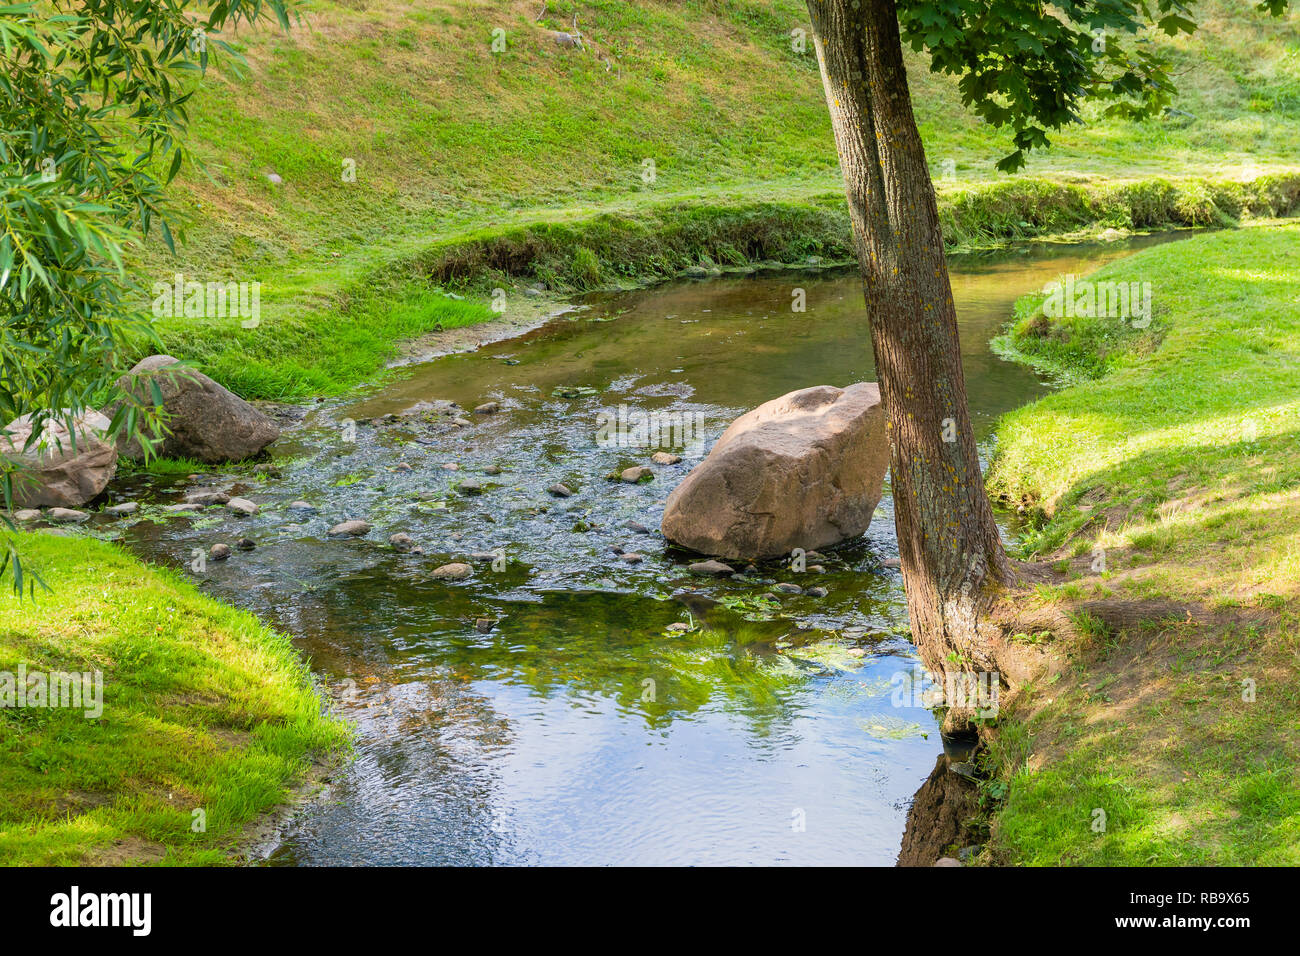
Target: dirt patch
{"x":520,"y":319}
{"x":127,"y":851}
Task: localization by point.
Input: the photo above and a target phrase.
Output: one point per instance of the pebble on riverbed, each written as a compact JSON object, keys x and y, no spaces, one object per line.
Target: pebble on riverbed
{"x":561,"y":491}
{"x":219,"y":552}
{"x":635,"y":474}
{"x":349,"y":529}
{"x":122,"y":510}
{"x":401,"y":542}
{"x":241,"y":506}
{"x":711,"y":567}
{"x":665,"y":458}
{"x":452,"y":572}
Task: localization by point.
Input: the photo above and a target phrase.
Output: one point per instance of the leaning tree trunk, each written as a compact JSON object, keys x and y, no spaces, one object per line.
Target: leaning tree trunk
{"x":952,"y":556}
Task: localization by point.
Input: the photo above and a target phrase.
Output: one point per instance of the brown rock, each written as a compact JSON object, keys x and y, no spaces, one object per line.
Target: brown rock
{"x":350,"y":529}
{"x":52,"y":471}
{"x":205,"y":421}
{"x":452,"y":572}
{"x":805,"y":470}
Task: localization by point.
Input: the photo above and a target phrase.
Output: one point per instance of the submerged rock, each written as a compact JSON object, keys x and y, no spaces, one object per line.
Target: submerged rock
{"x":711,"y":567}
{"x":633,"y":475}
{"x":805,"y":470}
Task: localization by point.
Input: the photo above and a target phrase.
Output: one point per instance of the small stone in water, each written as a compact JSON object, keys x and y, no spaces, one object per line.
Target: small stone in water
{"x":245,"y":544}
{"x":631,"y":558}
{"x":461,"y":422}
{"x":453,"y":572}
{"x":633,"y":475}
{"x":636,"y":527}
{"x":300,"y":506}
{"x":710,"y":567}
{"x":125,"y":508}
{"x":350,"y":529}
{"x":817,"y":592}
{"x":403,"y":466}
{"x":401,"y":542}
{"x":492,"y":470}
{"x":27,"y":514}
{"x":207,"y":498}
{"x":484,"y":625}
{"x":787,"y":588}
{"x":488,"y":408}
{"x":241,"y":506}
{"x":560,"y":491}
{"x":451,"y":466}
{"x":219,"y":552}
{"x":470,"y":487}
{"x":188,"y":506}
{"x":665,"y":458}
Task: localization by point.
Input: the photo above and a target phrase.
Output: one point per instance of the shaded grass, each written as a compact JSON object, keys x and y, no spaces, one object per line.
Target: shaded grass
{"x":204,"y":709}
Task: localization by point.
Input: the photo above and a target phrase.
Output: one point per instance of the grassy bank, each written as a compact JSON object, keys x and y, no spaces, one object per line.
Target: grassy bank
{"x":353,"y":320}
{"x":1164,"y":486}
{"x":686,"y":133}
{"x":203,"y":709}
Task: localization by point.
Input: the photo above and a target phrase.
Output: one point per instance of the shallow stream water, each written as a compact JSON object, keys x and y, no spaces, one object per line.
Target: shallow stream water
{"x":543,"y":711}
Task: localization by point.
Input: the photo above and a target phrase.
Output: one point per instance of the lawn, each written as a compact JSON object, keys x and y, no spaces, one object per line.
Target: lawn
{"x":209,"y":718}
{"x":1163,"y":486}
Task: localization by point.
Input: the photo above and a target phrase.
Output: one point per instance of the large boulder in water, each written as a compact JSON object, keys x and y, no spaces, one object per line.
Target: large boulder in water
{"x":206,"y":421}
{"x":63,"y":468}
{"x":805,"y":470}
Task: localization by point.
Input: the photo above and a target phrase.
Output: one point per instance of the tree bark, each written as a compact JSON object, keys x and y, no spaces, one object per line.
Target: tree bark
{"x":952,"y":557}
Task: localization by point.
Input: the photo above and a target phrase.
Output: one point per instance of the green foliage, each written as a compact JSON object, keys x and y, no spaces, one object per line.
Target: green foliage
{"x":1031,"y":66}
{"x":94,"y":96}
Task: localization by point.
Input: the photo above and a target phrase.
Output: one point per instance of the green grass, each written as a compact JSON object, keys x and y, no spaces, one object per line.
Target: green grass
{"x":1177,"y":451}
{"x":462,"y":154}
{"x":204,"y":708}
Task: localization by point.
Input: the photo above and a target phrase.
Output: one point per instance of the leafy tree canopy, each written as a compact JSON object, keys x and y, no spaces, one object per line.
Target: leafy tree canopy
{"x":1029,"y":65}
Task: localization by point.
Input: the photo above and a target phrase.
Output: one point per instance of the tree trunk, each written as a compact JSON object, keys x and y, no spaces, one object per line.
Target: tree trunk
{"x":952,"y":556}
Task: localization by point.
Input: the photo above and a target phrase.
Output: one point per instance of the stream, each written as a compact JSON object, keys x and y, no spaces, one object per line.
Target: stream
{"x":565,"y":705}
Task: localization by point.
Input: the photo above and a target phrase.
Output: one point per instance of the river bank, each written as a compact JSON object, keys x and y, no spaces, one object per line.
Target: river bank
{"x":196,"y":719}
{"x":1163,"y":489}
{"x":348,"y":323}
